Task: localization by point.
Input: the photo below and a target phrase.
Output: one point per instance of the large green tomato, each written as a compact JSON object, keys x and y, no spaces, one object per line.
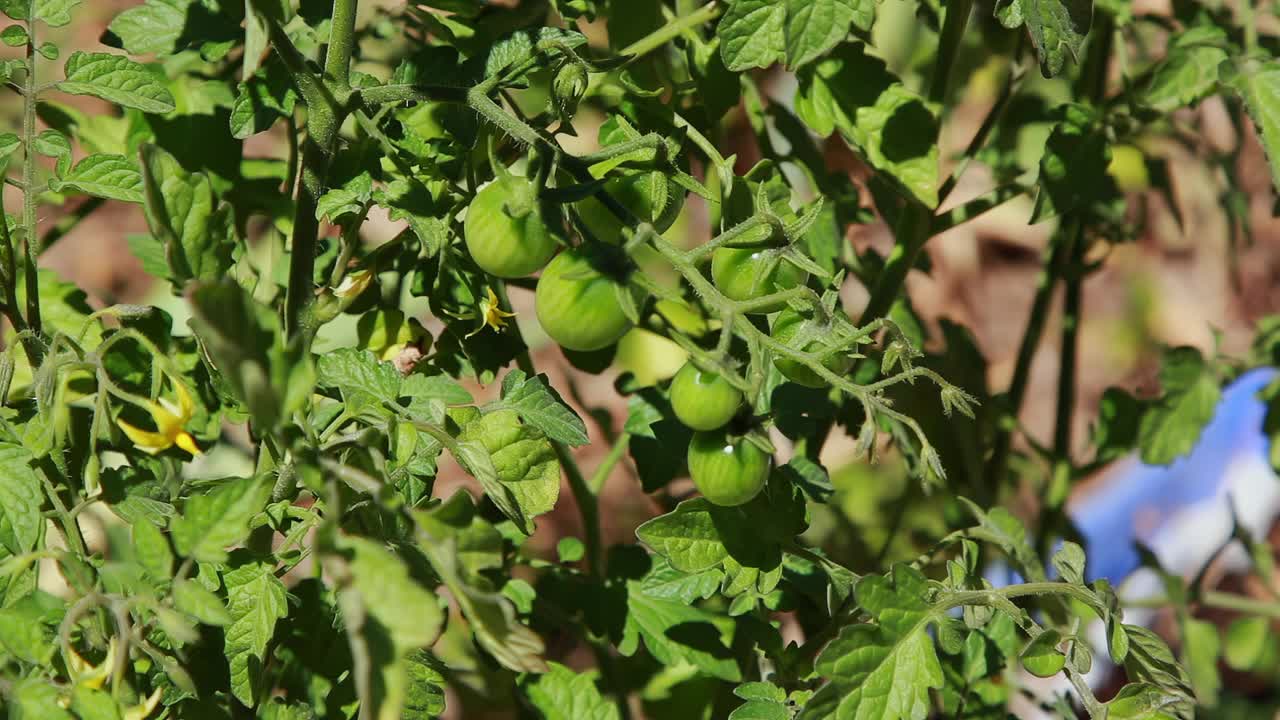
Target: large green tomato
{"x":741,"y":274}
{"x":504,"y":231}
{"x":577,"y":305}
{"x":639,"y":194}
{"x":805,"y":334}
{"x":703,"y":400}
{"x":727,"y":471}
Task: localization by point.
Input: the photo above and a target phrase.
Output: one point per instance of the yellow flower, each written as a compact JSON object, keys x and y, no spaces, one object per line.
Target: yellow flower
{"x":89,"y":675}
{"x":353,"y":284}
{"x":491,"y":314}
{"x":169,"y":420}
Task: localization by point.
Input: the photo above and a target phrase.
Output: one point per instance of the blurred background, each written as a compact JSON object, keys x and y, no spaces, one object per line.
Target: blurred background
{"x":1201,"y":272}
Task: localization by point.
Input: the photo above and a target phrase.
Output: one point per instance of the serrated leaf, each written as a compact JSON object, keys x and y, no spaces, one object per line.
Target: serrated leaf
{"x":894,"y":128}
{"x":520,"y":45}
{"x":1188,"y":73}
{"x":114,"y":177}
{"x":151,"y":547}
{"x":563,"y":694}
{"x":117,"y":79}
{"x":1069,"y":561}
{"x":752,"y":34}
{"x":1171,"y":426}
{"x":387,"y":614}
{"x":55,"y":13}
{"x":883,"y":670}
{"x":8,"y":143}
{"x":218,"y":518}
{"x":687,"y":537}
{"x":538,"y":404}
{"x":155,"y":26}
{"x":20,"y":500}
{"x":1259,"y":85}
{"x":524,"y":462}
{"x":816,"y":26}
{"x":364,"y":381}
{"x":675,"y":632}
{"x":1073,"y":168}
{"x":664,"y":581}
{"x":255,"y":602}
{"x":1057,"y":28}
{"x":183,"y":212}
{"x":193,"y":599}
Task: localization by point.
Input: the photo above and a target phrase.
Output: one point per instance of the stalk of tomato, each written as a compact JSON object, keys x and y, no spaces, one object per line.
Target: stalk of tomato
{"x":743,"y":274}
{"x":703,"y":400}
{"x":635,"y":192}
{"x":504,"y":231}
{"x":577,"y":305}
{"x":800,"y":333}
{"x":726,"y":470}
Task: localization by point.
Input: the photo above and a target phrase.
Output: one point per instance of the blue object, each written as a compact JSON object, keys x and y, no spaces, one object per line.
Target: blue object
{"x":1182,"y":511}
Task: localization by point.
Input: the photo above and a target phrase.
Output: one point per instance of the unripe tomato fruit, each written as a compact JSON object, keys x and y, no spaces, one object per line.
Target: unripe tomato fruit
{"x":1128,"y":168}
{"x":788,"y":327}
{"x":703,"y":400}
{"x":636,"y":193}
{"x":741,"y":274}
{"x":727,"y":471}
{"x":505,"y":232}
{"x":577,"y":305}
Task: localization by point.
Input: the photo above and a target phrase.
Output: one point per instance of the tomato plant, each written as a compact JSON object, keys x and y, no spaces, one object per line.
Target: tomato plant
{"x":623,"y":359}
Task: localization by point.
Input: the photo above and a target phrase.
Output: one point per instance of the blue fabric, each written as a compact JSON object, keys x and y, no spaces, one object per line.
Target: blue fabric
{"x":1134,"y":502}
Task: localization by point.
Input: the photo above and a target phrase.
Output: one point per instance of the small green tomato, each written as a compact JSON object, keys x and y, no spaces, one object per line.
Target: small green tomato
{"x":703,"y":400}
{"x":577,"y":305}
{"x":504,"y":231}
{"x":727,"y":470}
{"x":806,"y":335}
{"x":743,"y":274}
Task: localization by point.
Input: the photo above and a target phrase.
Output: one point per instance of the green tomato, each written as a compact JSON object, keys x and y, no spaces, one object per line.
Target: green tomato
{"x":703,"y":400}
{"x":741,"y":274}
{"x":577,"y":305}
{"x":800,"y":333}
{"x":504,"y":231}
{"x":639,"y":194}
{"x":727,"y":471}
{"x":1128,"y":168}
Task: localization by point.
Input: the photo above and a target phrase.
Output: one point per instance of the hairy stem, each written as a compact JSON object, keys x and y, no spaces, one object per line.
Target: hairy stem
{"x":29,"y":196}
{"x":671,"y":30}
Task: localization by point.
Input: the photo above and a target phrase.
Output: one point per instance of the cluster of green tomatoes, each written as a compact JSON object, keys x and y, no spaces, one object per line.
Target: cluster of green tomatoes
{"x":578,"y":306}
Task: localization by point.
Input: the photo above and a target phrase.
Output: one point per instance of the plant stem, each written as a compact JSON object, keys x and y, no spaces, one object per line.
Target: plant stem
{"x":671,"y":30}
{"x":1070,"y":338}
{"x":1002,"y":444}
{"x":588,"y":506}
{"x":342,"y":43}
{"x":29,"y":182}
{"x":610,"y":461}
{"x":914,"y":227}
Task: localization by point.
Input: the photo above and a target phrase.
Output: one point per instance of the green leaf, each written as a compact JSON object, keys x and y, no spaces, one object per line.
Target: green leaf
{"x":255,"y":601}
{"x":346,"y":202}
{"x":35,"y":698}
{"x":1139,"y":701}
{"x":424,"y":697}
{"x":1189,"y":72}
{"x":154,"y":27}
{"x":675,"y":632}
{"x":272,"y":376}
{"x":1073,"y":168}
{"x":520,"y":46}
{"x":1171,"y":425}
{"x":524,"y":462}
{"x":20,"y":500}
{"x":193,"y":599}
{"x":895,"y":129}
{"x":89,"y":703}
{"x":541,"y":406}
{"x":261,"y":101}
{"x":151,"y":547}
{"x":8,"y":143}
{"x":218,"y":518}
{"x":882,"y":670}
{"x":664,"y":581}
{"x":14,"y":36}
{"x":1057,"y":28}
{"x":55,"y":13}
{"x":563,"y":694}
{"x":687,"y":537}
{"x":114,"y":177}
{"x":1042,"y":657}
{"x":816,"y":26}
{"x":1201,"y":647}
{"x":364,"y":381}
{"x":1069,"y":562}
{"x":752,"y":34}
{"x":387,"y":614}
{"x":1258,"y":84}
{"x":1247,"y":641}
{"x":117,"y":79}
{"x":491,"y":616}
{"x":183,"y":212}
{"x":27,"y":627}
